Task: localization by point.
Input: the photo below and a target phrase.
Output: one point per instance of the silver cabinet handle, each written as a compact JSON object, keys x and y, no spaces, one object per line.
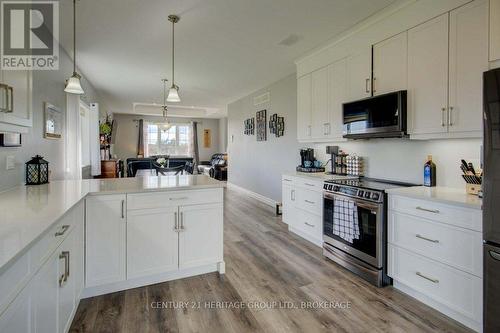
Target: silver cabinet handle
{"x":427,"y":239}
{"x":443,"y":115}
{"x":494,"y":255}
{"x":123,"y":209}
{"x":307,"y":184}
{"x":64,"y":277}
{"x":326,"y":128}
{"x":182,"y":222}
{"x":63,"y":230}
{"x":366,"y":86}
{"x":450,"y":114}
{"x":373,"y":85}
{"x":292,"y":195}
{"x":309,"y":202}
{"x":178,"y":198}
{"x":435,"y":211}
{"x":11,"y":100}
{"x":309,"y":224}
{"x":309,"y":130}
{"x":176,"y":224}
{"x":287,"y":180}
{"x":427,"y":278}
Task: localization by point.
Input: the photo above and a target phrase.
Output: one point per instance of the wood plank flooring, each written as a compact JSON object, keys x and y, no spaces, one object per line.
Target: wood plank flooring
{"x":264,"y":264}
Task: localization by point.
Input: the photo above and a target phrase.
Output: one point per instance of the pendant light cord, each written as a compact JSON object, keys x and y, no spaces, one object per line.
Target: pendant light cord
{"x":173,"y":53}
{"x":74,"y":36}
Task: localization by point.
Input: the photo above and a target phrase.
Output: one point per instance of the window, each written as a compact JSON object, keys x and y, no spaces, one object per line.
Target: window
{"x":173,"y":141}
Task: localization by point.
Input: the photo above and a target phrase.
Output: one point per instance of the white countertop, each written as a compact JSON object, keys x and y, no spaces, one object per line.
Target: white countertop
{"x":317,"y":176}
{"x":27,"y":212}
{"x":445,"y":195}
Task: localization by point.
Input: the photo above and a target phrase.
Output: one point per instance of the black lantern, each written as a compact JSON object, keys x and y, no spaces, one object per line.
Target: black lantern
{"x":37,"y":171}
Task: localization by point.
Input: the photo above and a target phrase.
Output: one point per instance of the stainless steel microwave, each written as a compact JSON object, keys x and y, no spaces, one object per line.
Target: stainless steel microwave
{"x":382,"y":116}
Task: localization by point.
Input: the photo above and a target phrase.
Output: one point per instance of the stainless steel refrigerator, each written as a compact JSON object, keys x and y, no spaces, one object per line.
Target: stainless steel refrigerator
{"x":491,"y":201}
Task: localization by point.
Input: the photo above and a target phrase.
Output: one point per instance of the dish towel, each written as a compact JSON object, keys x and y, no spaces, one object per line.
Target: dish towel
{"x":345,"y":220}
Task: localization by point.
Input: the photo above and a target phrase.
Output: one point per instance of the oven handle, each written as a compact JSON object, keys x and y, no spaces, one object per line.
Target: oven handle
{"x":359,"y":202}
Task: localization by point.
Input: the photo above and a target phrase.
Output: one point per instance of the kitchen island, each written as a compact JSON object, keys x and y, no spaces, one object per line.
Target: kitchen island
{"x":74,"y":239}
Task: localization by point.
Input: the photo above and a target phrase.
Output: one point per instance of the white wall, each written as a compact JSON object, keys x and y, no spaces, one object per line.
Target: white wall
{"x":223,"y":134}
{"x":257,"y":166}
{"x":48,"y":86}
{"x":127,"y":134}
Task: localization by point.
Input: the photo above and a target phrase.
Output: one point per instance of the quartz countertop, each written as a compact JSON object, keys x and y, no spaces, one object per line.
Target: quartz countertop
{"x":27,"y":212}
{"x":445,"y":195}
{"x":318,"y":176}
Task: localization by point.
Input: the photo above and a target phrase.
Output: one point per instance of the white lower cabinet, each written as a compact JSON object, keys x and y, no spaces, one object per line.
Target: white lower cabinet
{"x":18,"y":317}
{"x":436,"y":256}
{"x":200,"y":236}
{"x":303,"y":207}
{"x":151,"y":241}
{"x":105,"y":239}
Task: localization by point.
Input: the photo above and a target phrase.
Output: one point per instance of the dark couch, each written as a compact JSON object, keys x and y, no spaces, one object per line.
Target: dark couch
{"x":216,"y":167}
{"x":147,"y":163}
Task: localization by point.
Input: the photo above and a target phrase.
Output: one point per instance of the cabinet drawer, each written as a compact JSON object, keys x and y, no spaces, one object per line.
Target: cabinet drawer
{"x":313,"y":185}
{"x":287,"y":180}
{"x":309,"y":201}
{"x":458,"y":216}
{"x":461,"y":248}
{"x":173,"y":198}
{"x":308,"y":223}
{"x":457,"y":290}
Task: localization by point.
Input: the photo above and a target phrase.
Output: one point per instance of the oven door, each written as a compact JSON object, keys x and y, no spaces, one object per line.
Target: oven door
{"x":368,"y":245}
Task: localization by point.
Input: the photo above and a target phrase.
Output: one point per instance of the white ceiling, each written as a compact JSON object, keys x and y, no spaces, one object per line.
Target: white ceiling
{"x":225,"y":49}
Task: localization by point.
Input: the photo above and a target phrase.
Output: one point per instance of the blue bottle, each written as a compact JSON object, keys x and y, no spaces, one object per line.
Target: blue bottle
{"x":429,"y":172}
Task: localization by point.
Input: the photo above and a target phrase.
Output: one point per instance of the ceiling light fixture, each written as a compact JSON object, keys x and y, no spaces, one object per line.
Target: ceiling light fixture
{"x":73,"y":85}
{"x":173,"y":93}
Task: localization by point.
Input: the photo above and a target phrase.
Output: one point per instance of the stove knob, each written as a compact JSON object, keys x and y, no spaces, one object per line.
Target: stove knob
{"x":330,"y":187}
{"x":367,"y":195}
{"x":375,"y":196}
{"x":336,"y":188}
{"x":360,"y":193}
{"x":325,"y":187}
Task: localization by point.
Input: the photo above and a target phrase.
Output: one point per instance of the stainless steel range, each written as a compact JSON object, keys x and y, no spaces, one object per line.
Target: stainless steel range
{"x":355,"y":226}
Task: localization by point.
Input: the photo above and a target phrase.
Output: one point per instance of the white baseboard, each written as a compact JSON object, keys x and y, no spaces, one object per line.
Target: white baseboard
{"x":153,"y":279}
{"x":252,"y":194}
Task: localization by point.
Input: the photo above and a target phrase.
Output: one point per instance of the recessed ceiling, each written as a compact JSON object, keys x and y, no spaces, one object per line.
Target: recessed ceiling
{"x":225,"y":49}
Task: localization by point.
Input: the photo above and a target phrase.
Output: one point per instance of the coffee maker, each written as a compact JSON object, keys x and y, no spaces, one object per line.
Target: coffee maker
{"x":306,"y":154}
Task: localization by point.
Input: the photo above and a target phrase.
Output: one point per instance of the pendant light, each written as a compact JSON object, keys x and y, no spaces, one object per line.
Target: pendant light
{"x":173,"y":93}
{"x":165,"y":126}
{"x":73,"y":85}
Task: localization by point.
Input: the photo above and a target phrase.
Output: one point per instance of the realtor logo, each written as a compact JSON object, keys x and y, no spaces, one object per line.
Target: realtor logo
{"x":30,"y":30}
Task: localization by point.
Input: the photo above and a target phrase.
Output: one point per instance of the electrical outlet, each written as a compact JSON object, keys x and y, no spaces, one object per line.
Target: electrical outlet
{"x":10,"y":162}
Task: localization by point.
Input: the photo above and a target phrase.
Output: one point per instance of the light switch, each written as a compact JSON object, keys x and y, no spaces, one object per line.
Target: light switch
{"x":10,"y":162}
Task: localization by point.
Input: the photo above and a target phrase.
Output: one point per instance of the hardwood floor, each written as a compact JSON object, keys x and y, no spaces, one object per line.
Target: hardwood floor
{"x":264,"y":264}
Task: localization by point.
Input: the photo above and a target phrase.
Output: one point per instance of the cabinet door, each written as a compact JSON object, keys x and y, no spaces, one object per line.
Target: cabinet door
{"x":494,"y":30}
{"x":428,"y":76}
{"x":21,"y":82}
{"x":66,"y":303}
{"x":468,"y":61}
{"x":304,"y":107}
{"x":288,"y":199}
{"x":105,"y":239}
{"x":18,"y":317}
{"x":47,"y":295}
{"x":200,"y":238}
{"x":390,"y":64}
{"x":320,"y":123}
{"x":338,"y":94}
{"x":152,"y":241}
{"x":359,"y":70}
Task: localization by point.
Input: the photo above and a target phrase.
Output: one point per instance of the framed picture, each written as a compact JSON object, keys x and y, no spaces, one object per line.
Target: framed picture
{"x":261,"y":125}
{"x":53,"y":119}
{"x":249,"y":126}
{"x":207,"y":138}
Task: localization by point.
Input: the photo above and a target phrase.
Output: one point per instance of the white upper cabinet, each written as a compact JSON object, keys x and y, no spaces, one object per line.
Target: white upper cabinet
{"x":304,"y":107}
{"x":359,"y":73}
{"x":468,"y":61}
{"x":320,"y":123}
{"x":494,"y":30}
{"x":390,"y":64}
{"x":428,"y":76}
{"x":16,"y":99}
{"x":338,"y":94}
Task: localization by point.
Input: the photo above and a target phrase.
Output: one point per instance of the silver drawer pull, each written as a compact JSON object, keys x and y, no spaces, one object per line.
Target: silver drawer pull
{"x":309,"y":202}
{"x":175,"y":199}
{"x":64,"y":277}
{"x":287,"y":180}
{"x":308,"y":184}
{"x":309,"y":224}
{"x":435,"y":211}
{"x":427,"y":239}
{"x":427,"y":278}
{"x":63,"y":230}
